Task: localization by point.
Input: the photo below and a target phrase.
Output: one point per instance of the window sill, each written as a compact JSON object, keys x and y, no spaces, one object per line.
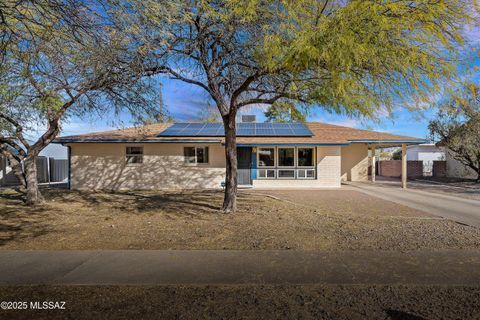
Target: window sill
{"x":196,"y":164}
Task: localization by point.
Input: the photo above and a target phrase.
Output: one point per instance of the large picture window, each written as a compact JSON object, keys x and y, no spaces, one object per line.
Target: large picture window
{"x":288,"y":163}
{"x":194,"y":155}
{"x":266,"y":157}
{"x":305,"y":157}
{"x":286,"y":157}
{"x":134,"y":155}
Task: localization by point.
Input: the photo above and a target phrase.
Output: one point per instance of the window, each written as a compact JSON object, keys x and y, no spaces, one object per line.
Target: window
{"x":288,"y":163}
{"x":286,"y":157}
{"x":134,"y":155}
{"x":195,"y":155}
{"x":286,"y":174}
{"x":305,"y":157}
{"x":266,"y":157}
{"x":305,"y":173}
{"x":266,"y":173}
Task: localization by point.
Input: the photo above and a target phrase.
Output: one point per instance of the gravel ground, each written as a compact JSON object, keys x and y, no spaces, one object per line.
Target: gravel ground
{"x":318,"y":220}
{"x":249,"y":302}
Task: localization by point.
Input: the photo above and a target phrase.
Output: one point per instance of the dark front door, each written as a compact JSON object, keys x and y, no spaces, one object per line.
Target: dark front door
{"x":244,"y":161}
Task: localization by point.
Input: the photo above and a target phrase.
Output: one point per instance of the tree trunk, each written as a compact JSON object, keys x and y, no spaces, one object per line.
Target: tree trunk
{"x":18,"y":171}
{"x":33,"y":193}
{"x":230,"y":197}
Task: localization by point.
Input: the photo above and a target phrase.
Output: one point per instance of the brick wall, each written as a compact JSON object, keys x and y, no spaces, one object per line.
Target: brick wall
{"x":439,"y":168}
{"x":393,"y":168}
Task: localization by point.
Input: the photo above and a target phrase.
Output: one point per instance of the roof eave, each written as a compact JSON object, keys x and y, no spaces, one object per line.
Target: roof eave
{"x":66,"y":141}
{"x":396,"y":141}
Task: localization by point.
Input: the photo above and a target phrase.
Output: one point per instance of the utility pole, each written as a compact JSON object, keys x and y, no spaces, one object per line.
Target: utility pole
{"x":160,"y":116}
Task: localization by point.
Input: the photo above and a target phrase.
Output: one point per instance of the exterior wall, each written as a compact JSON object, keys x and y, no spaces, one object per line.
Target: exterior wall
{"x":355,"y":163}
{"x":439,"y":168}
{"x":102,"y":166}
{"x":393,"y":168}
{"x":425,"y":153}
{"x":455,"y":169}
{"x":328,"y":172}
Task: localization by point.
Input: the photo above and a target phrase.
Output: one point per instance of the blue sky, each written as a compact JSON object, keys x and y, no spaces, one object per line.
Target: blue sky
{"x":185,"y":101}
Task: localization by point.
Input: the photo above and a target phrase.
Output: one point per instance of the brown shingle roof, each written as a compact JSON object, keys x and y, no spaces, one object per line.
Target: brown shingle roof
{"x":322,"y":134}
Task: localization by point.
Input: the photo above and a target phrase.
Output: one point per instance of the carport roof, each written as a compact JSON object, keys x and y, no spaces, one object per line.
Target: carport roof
{"x":323,"y":134}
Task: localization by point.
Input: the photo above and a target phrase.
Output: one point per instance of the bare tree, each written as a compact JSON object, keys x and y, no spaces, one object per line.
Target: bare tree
{"x":208,"y":114}
{"x":457,"y":127}
{"x":61,"y":74}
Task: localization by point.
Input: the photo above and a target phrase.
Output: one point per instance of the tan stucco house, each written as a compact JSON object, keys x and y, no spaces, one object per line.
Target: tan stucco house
{"x":192,"y":155}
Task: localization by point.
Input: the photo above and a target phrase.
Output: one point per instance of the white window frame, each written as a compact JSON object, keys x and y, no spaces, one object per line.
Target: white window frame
{"x":314,"y":157}
{"x":295,"y":168}
{"x":305,"y":170}
{"x":294,"y":158}
{"x":266,"y":173}
{"x":195,"y":163}
{"x":134,"y":154}
{"x":274,"y":158}
{"x":292,"y":169}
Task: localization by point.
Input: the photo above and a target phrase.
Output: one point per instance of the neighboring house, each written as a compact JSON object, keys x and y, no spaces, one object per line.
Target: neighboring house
{"x":455,"y":169}
{"x":427,"y":153}
{"x":192,"y":155}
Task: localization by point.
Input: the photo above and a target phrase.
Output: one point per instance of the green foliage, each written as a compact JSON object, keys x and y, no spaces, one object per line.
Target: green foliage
{"x":353,"y":57}
{"x":284,"y":112}
{"x":397,"y":155}
{"x":367,"y":54}
{"x":457,"y":126}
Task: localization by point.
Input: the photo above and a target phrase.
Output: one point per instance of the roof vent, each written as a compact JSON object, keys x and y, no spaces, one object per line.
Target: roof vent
{"x":249,"y":118}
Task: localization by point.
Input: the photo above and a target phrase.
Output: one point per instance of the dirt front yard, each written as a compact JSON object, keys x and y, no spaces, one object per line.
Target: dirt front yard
{"x":335,"y":220}
{"x":248,"y":302}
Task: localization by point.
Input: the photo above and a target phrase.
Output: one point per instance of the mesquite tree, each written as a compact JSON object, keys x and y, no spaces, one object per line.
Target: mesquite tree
{"x":352,"y":57}
{"x":457,"y":126}
{"x":56,"y":72}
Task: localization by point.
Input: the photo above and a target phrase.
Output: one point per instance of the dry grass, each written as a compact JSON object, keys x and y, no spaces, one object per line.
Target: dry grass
{"x":331,"y":220}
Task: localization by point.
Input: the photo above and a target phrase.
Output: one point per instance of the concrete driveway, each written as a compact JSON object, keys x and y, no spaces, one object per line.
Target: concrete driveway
{"x":462,"y":210}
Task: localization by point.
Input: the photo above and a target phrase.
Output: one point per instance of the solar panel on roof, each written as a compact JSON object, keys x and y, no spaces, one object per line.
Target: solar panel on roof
{"x":282,"y":132}
{"x":243,"y":129}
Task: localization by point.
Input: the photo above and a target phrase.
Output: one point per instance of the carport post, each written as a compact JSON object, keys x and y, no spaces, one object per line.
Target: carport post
{"x":404,"y":166}
{"x":373,"y":163}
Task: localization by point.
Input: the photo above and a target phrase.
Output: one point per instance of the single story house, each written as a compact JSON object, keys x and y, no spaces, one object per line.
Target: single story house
{"x":192,"y":155}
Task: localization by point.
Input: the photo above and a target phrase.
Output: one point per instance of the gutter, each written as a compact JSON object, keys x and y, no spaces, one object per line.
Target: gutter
{"x":64,"y":141}
{"x":388,"y":141}
{"x":291,"y":144}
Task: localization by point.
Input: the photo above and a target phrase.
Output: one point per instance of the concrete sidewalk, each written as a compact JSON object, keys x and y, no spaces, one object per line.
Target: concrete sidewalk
{"x":462,"y":210}
{"x":159,"y":267}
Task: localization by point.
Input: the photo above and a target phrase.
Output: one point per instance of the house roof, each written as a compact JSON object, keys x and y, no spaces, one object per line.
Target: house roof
{"x":323,"y":134}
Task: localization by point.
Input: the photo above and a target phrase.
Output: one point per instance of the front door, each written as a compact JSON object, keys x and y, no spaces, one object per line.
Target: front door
{"x":244,"y":162}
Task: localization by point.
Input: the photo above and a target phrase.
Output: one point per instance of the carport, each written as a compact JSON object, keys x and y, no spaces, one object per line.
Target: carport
{"x":374,"y":145}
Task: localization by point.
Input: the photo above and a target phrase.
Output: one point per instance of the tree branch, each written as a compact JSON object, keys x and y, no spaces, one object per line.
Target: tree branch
{"x":176,"y":75}
{"x":18,"y":129}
